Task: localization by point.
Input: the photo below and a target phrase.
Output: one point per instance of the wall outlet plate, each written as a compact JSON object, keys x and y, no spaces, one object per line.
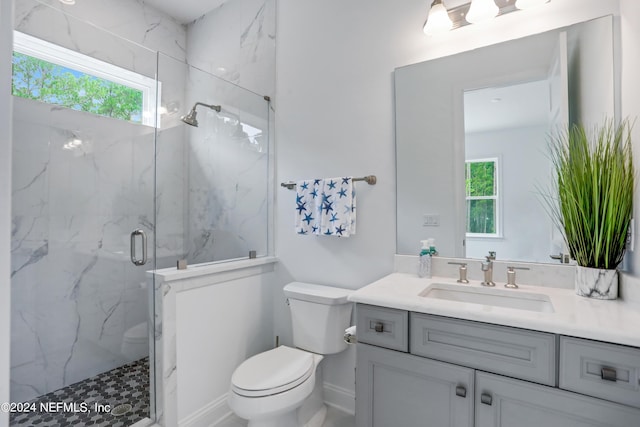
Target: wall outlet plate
{"x":431,"y":220}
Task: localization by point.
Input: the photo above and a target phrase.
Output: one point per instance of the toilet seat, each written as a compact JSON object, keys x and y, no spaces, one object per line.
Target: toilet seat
{"x":272,"y":372}
{"x":137,"y":333}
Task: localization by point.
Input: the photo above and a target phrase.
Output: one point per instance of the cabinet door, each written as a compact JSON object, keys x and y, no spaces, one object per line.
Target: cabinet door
{"x":398,"y":389}
{"x":506,"y":402}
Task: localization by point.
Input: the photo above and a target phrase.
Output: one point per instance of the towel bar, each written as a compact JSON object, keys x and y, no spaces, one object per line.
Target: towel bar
{"x":369,"y":179}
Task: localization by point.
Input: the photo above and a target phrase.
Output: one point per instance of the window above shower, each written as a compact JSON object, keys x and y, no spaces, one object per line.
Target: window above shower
{"x":52,"y":74}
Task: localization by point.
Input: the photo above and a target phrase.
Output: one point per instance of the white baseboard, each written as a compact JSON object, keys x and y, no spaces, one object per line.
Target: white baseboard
{"x":340,"y":398}
{"x":217,"y":410}
{"x":209,"y":415}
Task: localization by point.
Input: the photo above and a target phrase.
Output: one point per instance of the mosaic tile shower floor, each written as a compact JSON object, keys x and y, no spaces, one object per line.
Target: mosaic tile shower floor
{"x":127,"y":384}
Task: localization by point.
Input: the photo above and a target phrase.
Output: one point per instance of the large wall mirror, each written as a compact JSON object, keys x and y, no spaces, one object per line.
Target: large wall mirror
{"x":472,"y":132}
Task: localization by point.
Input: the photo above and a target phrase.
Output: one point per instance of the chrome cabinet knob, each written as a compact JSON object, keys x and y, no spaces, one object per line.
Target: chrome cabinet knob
{"x":609,"y":374}
{"x":486,"y":399}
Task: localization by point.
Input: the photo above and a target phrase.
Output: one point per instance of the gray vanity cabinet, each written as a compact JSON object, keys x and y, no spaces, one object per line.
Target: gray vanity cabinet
{"x":518,"y":353}
{"x":396,"y":389}
{"x":452,"y":372}
{"x":506,"y":402}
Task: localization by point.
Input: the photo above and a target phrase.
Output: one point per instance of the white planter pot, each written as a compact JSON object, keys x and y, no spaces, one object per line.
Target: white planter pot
{"x":596,"y":283}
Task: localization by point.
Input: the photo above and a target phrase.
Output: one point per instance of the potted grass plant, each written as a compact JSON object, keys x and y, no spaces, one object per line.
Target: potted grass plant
{"x":593,"y":201}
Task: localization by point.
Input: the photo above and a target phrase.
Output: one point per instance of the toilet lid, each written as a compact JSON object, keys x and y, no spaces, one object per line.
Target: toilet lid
{"x":272,"y":372}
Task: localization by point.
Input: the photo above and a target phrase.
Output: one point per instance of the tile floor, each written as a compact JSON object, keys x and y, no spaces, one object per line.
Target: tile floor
{"x":127,"y":384}
{"x":335,"y":418}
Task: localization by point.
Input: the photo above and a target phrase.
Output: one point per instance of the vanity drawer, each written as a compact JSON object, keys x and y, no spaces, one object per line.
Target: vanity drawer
{"x":608,"y":371}
{"x":384,"y":327}
{"x":513,"y":352}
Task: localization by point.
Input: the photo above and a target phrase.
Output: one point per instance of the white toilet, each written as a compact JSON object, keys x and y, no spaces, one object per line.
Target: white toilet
{"x":135,"y":342}
{"x":283,"y":387}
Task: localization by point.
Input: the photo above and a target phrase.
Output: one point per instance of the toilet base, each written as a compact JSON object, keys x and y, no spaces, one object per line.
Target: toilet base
{"x":318,"y":418}
{"x":289,"y":419}
{"x":313,"y":411}
{"x":292,"y":419}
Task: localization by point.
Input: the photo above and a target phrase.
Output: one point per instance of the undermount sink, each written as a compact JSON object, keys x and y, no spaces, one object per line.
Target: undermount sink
{"x":512,"y":298}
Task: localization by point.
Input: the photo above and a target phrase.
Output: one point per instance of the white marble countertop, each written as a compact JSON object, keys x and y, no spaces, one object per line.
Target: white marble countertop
{"x":615,"y":321}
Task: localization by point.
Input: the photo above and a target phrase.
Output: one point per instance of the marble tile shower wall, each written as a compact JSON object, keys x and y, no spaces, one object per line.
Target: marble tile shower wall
{"x":237,"y":42}
{"x":74,"y":290}
{"x":228,"y":178}
{"x":131,"y":20}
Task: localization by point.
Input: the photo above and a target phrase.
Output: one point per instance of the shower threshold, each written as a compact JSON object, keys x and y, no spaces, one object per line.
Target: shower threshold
{"x":119,"y":398}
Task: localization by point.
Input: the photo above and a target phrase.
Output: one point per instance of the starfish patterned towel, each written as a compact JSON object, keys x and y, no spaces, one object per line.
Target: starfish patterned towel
{"x":326,"y":207}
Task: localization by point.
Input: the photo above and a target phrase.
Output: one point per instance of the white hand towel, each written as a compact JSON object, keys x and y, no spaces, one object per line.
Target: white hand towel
{"x":308,"y":206}
{"x":337,"y":207}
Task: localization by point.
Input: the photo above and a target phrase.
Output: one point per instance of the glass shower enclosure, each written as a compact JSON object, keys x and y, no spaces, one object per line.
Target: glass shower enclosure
{"x":82,"y":219}
{"x":110,"y":184}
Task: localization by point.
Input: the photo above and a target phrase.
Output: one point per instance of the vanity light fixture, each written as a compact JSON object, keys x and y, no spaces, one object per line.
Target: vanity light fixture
{"x":442,"y":19}
{"x":528,"y":4}
{"x":482,"y":10}
{"x":438,"y":19}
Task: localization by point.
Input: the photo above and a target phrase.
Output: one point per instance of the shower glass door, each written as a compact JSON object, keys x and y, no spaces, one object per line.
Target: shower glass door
{"x":214,"y":187}
{"x":83,"y":192}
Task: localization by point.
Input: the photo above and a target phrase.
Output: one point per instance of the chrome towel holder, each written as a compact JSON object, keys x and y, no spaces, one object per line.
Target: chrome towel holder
{"x":369,"y":179}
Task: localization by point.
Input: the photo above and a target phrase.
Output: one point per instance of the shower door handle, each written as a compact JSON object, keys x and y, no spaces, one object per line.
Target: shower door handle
{"x":135,"y":260}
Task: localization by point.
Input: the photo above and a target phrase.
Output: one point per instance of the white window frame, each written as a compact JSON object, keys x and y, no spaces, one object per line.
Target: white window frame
{"x":496,"y":197}
{"x":37,"y":48}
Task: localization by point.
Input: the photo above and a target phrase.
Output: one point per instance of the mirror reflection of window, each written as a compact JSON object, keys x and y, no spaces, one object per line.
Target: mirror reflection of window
{"x":506,"y":129}
{"x":481,"y":182}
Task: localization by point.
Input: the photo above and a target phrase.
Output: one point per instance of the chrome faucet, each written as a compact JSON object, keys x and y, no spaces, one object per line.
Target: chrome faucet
{"x":511,"y":276}
{"x":487,"y":268}
{"x":462,"y":271}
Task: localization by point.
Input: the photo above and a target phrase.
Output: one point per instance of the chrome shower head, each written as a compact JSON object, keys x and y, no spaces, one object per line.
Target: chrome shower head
{"x":190,"y":118}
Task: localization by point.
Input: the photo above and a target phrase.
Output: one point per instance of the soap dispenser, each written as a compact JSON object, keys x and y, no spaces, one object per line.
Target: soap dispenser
{"x":424,"y":264}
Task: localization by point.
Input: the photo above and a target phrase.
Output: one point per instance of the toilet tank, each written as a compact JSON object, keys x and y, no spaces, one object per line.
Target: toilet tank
{"x":319,"y":316}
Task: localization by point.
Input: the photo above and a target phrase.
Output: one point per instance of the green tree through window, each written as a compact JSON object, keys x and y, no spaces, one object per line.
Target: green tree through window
{"x":482,"y":196}
{"x":44,"y":81}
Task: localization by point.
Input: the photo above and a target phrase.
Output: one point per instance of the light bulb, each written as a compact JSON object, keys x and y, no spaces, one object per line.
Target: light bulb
{"x":528,"y":4}
{"x":438,"y":19}
{"x":481,"y":10}
{"x":68,"y":2}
